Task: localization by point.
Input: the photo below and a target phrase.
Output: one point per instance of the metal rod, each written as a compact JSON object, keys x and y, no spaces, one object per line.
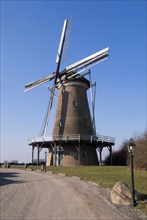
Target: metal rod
{"x":48,"y":112}
{"x":55,"y":154}
{"x":79,"y":154}
{"x":133,"y":201}
{"x":32,"y":154}
{"x":45,"y":160}
{"x":110,"y":155}
{"x":38,"y":155}
{"x":101,"y":148}
{"x":94,"y":108}
{"x":92,"y":103}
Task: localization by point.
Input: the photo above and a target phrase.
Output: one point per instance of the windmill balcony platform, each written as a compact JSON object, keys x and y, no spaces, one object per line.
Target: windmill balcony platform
{"x":45,"y":140}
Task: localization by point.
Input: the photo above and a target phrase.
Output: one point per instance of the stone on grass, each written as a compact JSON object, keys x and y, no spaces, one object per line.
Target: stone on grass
{"x":121,"y":194}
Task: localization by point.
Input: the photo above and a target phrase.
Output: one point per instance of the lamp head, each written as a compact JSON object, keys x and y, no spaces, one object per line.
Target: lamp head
{"x":131,"y":146}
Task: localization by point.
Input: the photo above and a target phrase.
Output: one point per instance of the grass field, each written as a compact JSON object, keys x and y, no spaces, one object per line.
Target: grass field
{"x":105,"y":176}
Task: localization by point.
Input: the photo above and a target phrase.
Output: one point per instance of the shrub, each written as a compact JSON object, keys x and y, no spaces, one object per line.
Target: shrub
{"x":140,"y":155}
{"x":121,"y":156}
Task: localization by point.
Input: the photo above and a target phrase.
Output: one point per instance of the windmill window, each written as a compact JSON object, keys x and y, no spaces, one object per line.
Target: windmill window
{"x":60,"y":124}
{"x":75,"y":104}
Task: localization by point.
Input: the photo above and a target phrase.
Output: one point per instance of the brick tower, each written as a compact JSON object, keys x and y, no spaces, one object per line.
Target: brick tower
{"x":73,"y":122}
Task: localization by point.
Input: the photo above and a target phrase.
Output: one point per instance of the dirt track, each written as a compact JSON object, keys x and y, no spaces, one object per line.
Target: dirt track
{"x":31,"y":195}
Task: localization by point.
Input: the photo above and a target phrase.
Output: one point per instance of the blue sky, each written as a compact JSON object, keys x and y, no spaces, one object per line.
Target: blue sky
{"x":30,"y":33}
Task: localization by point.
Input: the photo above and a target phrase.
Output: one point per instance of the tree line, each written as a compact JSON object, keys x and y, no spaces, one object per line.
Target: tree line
{"x":121,"y":156}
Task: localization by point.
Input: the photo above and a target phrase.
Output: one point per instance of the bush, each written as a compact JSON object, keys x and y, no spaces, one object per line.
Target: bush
{"x":140,"y":155}
{"x":121,"y":157}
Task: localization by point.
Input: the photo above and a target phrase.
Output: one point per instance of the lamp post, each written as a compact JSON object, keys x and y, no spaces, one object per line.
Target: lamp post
{"x":131,"y":148}
{"x":45,"y":160}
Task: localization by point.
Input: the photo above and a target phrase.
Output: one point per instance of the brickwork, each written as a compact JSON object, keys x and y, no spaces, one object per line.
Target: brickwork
{"x":73,"y":117}
{"x":87,"y":156}
{"x":72,"y":113}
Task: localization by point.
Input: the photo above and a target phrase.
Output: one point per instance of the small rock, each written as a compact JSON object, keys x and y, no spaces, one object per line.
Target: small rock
{"x":62,"y":174}
{"x":51,"y":172}
{"x":93,"y":183}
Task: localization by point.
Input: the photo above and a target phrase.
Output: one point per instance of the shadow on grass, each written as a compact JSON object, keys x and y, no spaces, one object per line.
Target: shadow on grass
{"x":8,"y":178}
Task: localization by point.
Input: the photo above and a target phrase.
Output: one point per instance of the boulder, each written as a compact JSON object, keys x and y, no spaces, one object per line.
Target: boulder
{"x":121,"y":194}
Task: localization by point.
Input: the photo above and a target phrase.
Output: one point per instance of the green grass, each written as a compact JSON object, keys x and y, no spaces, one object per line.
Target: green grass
{"x":106,"y":176}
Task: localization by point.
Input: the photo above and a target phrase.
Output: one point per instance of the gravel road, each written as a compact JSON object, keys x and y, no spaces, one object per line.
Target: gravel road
{"x":34,"y":196}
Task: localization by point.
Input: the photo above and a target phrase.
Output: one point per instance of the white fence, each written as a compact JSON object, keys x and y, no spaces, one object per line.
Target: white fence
{"x":72,"y":137}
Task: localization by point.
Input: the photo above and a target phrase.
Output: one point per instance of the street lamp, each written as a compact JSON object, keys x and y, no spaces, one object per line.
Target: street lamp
{"x":131,"y":148}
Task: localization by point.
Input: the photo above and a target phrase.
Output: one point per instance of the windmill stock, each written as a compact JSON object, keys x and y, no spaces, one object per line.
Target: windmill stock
{"x":69,"y":70}
{"x":77,"y":66}
{"x":70,"y":83}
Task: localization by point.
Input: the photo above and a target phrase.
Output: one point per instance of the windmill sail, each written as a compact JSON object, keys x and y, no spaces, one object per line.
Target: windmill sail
{"x":39,"y":82}
{"x":58,"y":61}
{"x":62,"y":40}
{"x":77,"y":66}
{"x":94,"y":58}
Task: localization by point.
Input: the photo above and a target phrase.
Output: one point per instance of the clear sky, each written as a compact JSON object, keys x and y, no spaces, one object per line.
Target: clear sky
{"x":30,"y":33}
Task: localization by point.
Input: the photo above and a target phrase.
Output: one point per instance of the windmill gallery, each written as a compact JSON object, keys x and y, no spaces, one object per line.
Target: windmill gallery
{"x":74,"y":140}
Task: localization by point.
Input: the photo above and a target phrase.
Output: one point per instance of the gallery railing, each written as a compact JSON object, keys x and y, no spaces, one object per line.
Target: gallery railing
{"x":72,"y":137}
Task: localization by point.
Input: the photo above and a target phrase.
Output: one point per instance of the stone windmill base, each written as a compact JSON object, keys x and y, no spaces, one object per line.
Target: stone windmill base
{"x":72,"y":150}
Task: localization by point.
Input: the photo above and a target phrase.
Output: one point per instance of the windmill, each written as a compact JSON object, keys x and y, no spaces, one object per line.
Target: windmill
{"x":74,"y":132}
